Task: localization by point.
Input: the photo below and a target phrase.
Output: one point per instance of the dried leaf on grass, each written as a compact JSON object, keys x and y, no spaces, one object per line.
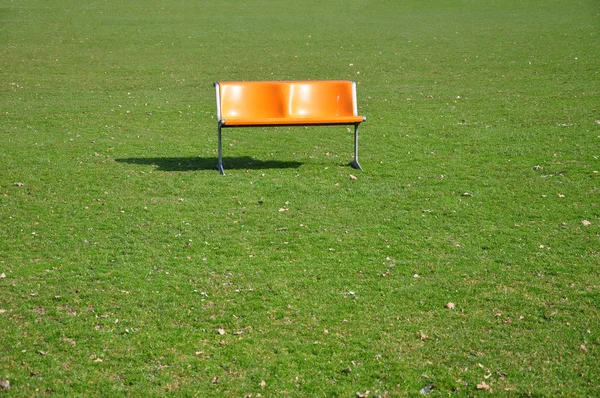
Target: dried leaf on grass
{"x":584,"y":222}
{"x":4,"y":384}
{"x":484,"y":367}
{"x":69,"y":341}
{"x":95,"y":358}
{"x":483,"y":386}
{"x":451,"y":306}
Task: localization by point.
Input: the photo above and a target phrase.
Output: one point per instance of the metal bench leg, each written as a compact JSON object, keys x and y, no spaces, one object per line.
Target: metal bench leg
{"x":220,"y":161}
{"x":355,"y":163}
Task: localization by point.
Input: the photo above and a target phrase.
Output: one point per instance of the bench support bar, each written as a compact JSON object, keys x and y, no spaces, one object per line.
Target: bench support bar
{"x":355,"y":163}
{"x":220,"y":144}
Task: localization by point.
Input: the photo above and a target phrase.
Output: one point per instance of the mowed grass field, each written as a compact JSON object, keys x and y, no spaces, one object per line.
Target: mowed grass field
{"x":464,"y":260}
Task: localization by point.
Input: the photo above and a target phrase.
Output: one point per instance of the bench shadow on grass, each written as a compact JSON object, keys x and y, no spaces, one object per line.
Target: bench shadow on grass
{"x":199,"y":163}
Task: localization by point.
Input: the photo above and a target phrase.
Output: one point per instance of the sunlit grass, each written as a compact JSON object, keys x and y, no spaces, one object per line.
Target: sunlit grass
{"x":130,"y":266}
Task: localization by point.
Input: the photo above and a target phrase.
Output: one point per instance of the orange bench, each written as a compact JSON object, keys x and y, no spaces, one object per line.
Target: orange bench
{"x":287,"y":103}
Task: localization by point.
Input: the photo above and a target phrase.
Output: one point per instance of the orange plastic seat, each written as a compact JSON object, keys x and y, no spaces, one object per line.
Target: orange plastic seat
{"x":287,"y":103}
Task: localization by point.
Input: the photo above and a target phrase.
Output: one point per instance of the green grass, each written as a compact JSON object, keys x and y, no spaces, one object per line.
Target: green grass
{"x":123,"y":251}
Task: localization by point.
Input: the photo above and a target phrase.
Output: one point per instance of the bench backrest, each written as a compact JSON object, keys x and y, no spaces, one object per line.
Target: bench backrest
{"x":286,"y":99}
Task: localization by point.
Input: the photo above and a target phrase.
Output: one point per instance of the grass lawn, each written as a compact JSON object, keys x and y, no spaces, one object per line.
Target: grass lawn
{"x":130,"y":266}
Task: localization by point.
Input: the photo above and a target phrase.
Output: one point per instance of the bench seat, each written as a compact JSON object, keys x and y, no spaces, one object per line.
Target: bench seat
{"x":300,"y":121}
{"x":287,"y":103}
